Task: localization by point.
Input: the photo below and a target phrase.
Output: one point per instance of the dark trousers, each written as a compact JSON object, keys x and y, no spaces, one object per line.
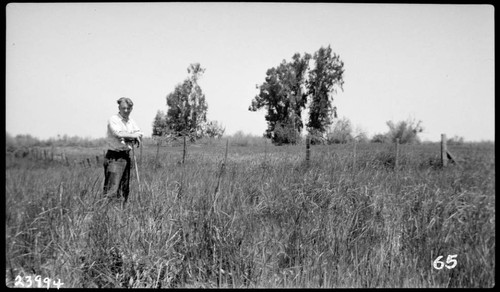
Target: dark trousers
{"x":117,"y":174}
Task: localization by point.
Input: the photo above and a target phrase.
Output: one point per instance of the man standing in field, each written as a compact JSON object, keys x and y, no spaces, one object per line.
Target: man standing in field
{"x":123,"y":133}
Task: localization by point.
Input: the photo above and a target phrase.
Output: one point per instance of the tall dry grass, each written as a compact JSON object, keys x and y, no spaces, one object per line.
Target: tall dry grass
{"x":262,"y":219}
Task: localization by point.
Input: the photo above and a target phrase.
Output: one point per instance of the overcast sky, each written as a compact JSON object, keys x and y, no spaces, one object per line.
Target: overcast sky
{"x":67,"y":64}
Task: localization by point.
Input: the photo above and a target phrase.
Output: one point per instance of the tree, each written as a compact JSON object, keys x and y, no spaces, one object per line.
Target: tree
{"x":187,"y":108}
{"x":284,"y":97}
{"x":322,"y":83}
{"x":213,"y":129}
{"x":340,"y":132}
{"x":160,"y":126}
{"x":360,"y":135}
{"x":288,"y":88}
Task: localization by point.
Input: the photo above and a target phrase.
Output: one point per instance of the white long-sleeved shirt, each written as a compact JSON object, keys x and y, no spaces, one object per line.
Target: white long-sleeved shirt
{"x":118,"y":126}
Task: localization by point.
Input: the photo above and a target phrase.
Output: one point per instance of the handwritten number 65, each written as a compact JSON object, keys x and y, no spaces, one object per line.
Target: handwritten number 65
{"x":451,"y":262}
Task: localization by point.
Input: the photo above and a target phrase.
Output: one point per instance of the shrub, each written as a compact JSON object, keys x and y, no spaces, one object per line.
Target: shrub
{"x":10,"y":143}
{"x":406,"y":131}
{"x":455,"y":141}
{"x":241,"y":139}
{"x":379,"y":138}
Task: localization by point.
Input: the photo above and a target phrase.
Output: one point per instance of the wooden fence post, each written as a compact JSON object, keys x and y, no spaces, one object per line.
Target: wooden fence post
{"x":184,"y":151}
{"x":354,"y":155}
{"x":225,"y":156}
{"x":444,"y":156}
{"x":396,"y":156}
{"x":65,"y":158}
{"x":157,"y":153}
{"x":308,"y":150}
{"x":265,"y":151}
{"x":140,"y":157}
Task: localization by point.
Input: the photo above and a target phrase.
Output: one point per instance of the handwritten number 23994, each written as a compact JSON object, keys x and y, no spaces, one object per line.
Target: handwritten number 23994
{"x":29,"y":283}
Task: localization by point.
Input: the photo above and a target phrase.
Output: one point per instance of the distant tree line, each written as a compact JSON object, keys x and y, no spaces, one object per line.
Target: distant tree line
{"x":27,"y":140}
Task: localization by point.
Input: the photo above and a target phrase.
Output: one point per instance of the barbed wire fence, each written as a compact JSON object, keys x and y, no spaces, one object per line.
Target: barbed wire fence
{"x":186,"y":138}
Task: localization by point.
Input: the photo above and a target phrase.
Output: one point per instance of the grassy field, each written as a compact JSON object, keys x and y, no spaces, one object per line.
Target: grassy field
{"x":264,"y":219}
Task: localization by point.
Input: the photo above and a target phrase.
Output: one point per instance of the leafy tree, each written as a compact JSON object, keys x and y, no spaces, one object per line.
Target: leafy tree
{"x":187,"y":108}
{"x":323,"y":82}
{"x":340,"y":132}
{"x":406,"y":131}
{"x":360,"y":135}
{"x":284,"y":97}
{"x":213,"y":129}
{"x":160,"y":126}
{"x":288,"y":88}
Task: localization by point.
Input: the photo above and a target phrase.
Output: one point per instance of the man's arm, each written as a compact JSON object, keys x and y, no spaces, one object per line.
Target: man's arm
{"x":118,"y":132}
{"x":137,"y":131}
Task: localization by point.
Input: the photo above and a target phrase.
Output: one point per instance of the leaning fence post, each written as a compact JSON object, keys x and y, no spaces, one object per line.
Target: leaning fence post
{"x":444,"y":156}
{"x":396,"y":158}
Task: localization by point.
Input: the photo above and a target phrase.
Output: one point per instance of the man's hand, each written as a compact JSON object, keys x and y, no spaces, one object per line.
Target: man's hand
{"x":133,"y":138}
{"x":135,"y":135}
